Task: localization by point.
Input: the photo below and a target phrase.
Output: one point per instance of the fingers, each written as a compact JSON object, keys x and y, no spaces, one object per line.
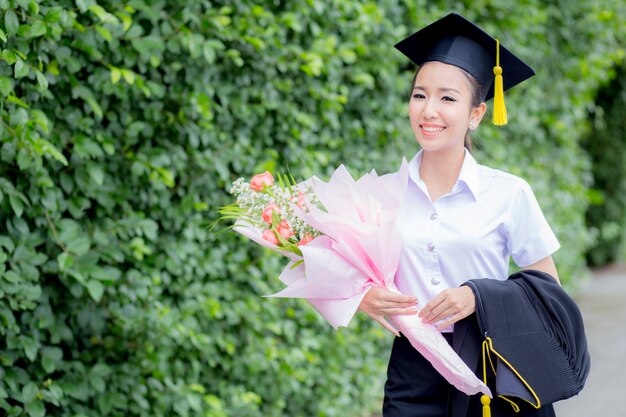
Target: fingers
{"x":449,"y":322}
{"x":382,"y":302}
{"x":374,"y":309}
{"x":383,"y":322}
{"x":438,"y":313}
{"x":449,"y":306}
{"x":383,"y":294}
{"x":434,"y":308}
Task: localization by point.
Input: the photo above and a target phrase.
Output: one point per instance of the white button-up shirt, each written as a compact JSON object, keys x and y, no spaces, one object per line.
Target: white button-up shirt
{"x":471,"y":232}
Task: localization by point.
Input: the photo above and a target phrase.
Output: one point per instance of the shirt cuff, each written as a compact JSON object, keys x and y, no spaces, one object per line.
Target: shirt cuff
{"x":543,"y":244}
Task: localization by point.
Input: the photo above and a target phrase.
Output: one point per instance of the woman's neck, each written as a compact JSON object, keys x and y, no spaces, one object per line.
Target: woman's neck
{"x":440,"y":171}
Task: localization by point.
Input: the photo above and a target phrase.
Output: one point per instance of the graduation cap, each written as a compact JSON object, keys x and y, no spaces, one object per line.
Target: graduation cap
{"x":456,"y":41}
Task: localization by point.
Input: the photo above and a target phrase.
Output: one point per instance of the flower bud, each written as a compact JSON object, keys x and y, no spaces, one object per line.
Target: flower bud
{"x":270,"y":236}
{"x":261,"y":181}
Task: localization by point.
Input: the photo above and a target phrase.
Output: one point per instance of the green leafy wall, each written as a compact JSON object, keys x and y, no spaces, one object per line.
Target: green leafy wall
{"x":123,"y":124}
{"x":606,"y":145}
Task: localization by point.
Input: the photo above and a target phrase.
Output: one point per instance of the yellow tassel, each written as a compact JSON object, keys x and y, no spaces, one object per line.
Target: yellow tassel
{"x":485,"y":401}
{"x":499,"y":109}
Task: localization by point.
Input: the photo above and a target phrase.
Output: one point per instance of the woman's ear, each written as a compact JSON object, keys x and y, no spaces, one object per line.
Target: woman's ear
{"x":477,"y":113}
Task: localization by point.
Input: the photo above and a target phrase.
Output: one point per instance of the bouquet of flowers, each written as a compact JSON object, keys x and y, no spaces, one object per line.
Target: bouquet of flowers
{"x":342,"y":238}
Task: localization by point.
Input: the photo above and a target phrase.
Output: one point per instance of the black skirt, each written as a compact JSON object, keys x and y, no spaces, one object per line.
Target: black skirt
{"x":415,"y":389}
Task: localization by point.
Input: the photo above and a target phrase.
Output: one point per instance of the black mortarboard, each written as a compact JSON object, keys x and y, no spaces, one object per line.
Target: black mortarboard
{"x":456,"y":41}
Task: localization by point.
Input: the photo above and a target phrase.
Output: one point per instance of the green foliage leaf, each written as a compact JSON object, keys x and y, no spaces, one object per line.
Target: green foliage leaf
{"x":35,"y":409}
{"x":96,"y":289}
{"x":11,"y":23}
{"x":96,"y":173}
{"x":106,"y":274}
{"x":129,"y":76}
{"x":18,"y":101}
{"x":79,"y":246}
{"x":64,"y":261}
{"x":17,"y":204}
{"x":103,"y":15}
{"x":116,"y":74}
{"x":105,"y":33}
{"x":83,"y":5}
{"x":86,"y":94}
{"x":52,"y":357}
{"x":34,"y":30}
{"x":127,"y":21}
{"x":30,"y":346}
{"x":20,"y":69}
{"x":42,"y":81}
{"x":29,"y":392}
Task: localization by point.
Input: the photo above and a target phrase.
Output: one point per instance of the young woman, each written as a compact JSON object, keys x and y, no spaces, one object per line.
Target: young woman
{"x":462,"y":220}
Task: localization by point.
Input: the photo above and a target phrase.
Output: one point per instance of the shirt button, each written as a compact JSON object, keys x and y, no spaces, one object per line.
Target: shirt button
{"x":435,"y":281}
{"x":430,"y":247}
{"x":434,"y":216}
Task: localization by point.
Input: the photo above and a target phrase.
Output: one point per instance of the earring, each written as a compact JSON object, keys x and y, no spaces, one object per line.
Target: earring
{"x":472,"y":125}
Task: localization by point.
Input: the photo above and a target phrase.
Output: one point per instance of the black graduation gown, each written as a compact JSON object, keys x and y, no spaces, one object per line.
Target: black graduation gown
{"x":537,"y":330}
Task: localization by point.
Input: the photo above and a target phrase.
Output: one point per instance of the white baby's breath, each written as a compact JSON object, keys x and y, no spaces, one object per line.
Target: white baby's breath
{"x":252,"y":203}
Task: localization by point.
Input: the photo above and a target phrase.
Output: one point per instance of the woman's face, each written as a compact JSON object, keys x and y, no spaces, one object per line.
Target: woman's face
{"x":440,"y":109}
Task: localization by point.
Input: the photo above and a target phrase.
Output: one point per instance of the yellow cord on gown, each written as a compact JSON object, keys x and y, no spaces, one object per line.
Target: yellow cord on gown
{"x":487,"y":350}
{"x":499,"y":109}
{"x":484,"y":399}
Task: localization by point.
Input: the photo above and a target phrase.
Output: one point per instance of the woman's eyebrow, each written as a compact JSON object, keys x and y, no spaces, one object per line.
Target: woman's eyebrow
{"x":442,"y":89}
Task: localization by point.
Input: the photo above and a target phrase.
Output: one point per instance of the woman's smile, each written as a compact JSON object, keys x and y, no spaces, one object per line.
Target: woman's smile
{"x":429,"y":129}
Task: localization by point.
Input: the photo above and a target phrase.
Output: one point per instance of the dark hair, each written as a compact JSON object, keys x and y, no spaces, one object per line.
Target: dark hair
{"x":478,"y":96}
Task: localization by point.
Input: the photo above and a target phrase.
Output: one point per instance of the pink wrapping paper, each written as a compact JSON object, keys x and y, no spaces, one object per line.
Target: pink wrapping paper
{"x":360,"y":248}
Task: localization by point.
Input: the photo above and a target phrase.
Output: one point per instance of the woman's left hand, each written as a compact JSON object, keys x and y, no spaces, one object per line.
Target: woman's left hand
{"x":450,"y":305}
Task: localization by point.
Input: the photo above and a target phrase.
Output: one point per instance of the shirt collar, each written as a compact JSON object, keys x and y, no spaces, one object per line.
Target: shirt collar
{"x":467,"y":176}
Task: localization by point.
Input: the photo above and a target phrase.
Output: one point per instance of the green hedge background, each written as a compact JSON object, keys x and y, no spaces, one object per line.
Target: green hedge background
{"x":123,"y":125}
{"x":605,"y":144}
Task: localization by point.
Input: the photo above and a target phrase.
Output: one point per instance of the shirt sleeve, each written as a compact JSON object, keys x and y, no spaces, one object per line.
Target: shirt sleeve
{"x":530,"y":237}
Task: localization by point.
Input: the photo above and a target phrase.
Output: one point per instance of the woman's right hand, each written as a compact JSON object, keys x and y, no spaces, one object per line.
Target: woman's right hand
{"x":380,"y":302}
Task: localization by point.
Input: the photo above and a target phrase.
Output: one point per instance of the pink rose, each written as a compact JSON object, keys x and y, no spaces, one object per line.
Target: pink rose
{"x":270,"y":236}
{"x":267,"y":212}
{"x":260,"y":181}
{"x":300,"y":203}
{"x":284,"y":230}
{"x":306,"y":239}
